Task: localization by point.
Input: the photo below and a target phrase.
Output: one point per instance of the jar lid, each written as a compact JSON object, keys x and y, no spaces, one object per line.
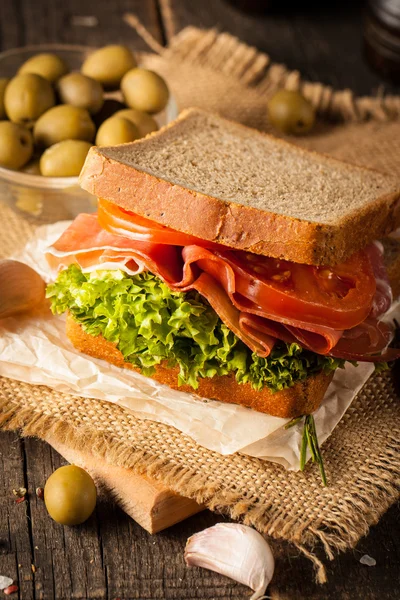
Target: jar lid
{"x":387,"y":11}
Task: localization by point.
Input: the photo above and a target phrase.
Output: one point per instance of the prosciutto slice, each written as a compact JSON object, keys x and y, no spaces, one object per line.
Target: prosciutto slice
{"x":216,"y":278}
{"x":371,"y":334}
{"x":383,"y":296}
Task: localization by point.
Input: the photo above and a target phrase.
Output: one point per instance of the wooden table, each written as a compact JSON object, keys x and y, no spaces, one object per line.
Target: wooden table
{"x":111,"y":556}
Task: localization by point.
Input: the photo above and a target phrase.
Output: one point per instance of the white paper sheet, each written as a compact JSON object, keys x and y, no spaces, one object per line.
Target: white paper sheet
{"x":35,"y":349}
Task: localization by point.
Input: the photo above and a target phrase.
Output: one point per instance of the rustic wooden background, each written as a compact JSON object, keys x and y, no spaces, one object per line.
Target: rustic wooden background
{"x":110,"y":556}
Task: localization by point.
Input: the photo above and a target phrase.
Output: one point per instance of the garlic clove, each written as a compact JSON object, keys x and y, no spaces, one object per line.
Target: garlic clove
{"x":21,"y":288}
{"x":234,"y":550}
{"x":5,"y":582}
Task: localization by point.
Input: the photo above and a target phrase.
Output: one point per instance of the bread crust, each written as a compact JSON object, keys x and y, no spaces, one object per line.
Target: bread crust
{"x":303,"y":398}
{"x":238,"y":226}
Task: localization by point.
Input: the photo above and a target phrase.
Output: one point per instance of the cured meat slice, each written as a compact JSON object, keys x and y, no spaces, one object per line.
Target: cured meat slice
{"x":259,"y":299}
{"x":383,"y":297}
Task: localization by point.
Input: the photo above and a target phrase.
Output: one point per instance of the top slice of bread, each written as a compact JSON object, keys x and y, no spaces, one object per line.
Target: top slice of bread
{"x":224,"y":182}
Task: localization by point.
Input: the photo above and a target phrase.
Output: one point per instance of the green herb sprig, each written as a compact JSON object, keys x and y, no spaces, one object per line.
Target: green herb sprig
{"x":309,"y":441}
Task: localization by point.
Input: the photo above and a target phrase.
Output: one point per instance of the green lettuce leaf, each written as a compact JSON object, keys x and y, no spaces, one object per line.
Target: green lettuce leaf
{"x":152,"y":324}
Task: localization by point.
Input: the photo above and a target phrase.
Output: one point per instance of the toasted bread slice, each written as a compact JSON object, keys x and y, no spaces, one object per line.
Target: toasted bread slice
{"x":224,"y":182}
{"x":301,"y":399}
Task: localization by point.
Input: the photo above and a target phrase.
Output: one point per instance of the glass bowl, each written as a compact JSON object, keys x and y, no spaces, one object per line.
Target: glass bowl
{"x":49,"y":199}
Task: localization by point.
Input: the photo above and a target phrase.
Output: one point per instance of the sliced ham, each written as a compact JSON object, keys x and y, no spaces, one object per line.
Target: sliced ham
{"x":367,"y":342}
{"x":383,"y":296}
{"x":260,"y":342}
{"x":215,"y":276}
{"x":96,"y":247}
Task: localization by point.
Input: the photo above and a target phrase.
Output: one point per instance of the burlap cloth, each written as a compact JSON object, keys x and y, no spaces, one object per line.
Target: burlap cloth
{"x":217,"y":72}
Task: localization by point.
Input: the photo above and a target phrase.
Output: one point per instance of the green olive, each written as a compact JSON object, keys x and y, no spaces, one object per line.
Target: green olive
{"x":145,"y":90}
{"x":63,"y":122}
{"x":109,"y":64}
{"x":109,"y":108}
{"x":290,"y":112}
{"x":116,"y":130}
{"x":33,"y":167}
{"x":16,"y":145}
{"x":28,"y":96}
{"x":3,"y":84}
{"x":143,"y":121}
{"x":64,"y":159}
{"x":70,"y":495}
{"x":82,"y":91}
{"x":50,"y":66}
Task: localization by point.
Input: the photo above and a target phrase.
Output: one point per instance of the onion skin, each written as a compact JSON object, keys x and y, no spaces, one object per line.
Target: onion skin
{"x":21,"y":288}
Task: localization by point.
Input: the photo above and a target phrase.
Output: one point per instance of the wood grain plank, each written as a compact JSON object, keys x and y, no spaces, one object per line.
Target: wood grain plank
{"x":15,"y":544}
{"x":147,"y":567}
{"x":322,"y":40}
{"x":68,"y":560}
{"x":112,"y":557}
{"x":25,"y":22}
{"x":348,"y":579}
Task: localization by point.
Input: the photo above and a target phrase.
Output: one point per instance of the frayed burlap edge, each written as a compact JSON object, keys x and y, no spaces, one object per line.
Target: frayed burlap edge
{"x":227,"y":55}
{"x":335,"y":536}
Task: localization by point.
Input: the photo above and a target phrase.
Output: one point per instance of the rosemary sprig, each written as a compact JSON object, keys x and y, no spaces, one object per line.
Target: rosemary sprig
{"x":318,"y":456}
{"x":303,"y":448}
{"x":293,"y":422}
{"x":309,"y":441}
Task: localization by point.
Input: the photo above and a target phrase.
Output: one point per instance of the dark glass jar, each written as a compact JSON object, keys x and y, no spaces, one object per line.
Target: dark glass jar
{"x":382,"y":38}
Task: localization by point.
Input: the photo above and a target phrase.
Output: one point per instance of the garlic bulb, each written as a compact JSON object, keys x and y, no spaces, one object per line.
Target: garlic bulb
{"x":21,"y":288}
{"x":234,"y":550}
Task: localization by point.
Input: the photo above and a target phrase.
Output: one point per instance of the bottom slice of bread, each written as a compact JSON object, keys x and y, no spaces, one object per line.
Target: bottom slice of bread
{"x":301,"y":399}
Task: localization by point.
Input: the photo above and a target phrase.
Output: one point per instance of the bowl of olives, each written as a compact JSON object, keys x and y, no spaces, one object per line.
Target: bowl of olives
{"x":56,"y":101}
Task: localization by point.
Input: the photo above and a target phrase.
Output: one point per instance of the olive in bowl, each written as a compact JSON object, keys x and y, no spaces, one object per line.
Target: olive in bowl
{"x":53,"y":193}
{"x":16,"y":146}
{"x":64,"y":159}
{"x":27,"y":97}
{"x":63,"y":122}
{"x":116,"y":130}
{"x":47,"y":65}
{"x":145,"y":90}
{"x":108,"y":65}
{"x":82,"y":91}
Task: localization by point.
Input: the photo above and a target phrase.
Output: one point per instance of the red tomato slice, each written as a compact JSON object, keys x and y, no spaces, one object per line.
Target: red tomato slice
{"x":338,"y":297}
{"x":122,"y":222}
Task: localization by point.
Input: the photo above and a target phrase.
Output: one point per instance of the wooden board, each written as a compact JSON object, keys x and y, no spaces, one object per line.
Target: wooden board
{"x":147,"y":501}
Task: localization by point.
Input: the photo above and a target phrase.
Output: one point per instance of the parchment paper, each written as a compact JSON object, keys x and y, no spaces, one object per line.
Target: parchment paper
{"x":34,"y":349}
